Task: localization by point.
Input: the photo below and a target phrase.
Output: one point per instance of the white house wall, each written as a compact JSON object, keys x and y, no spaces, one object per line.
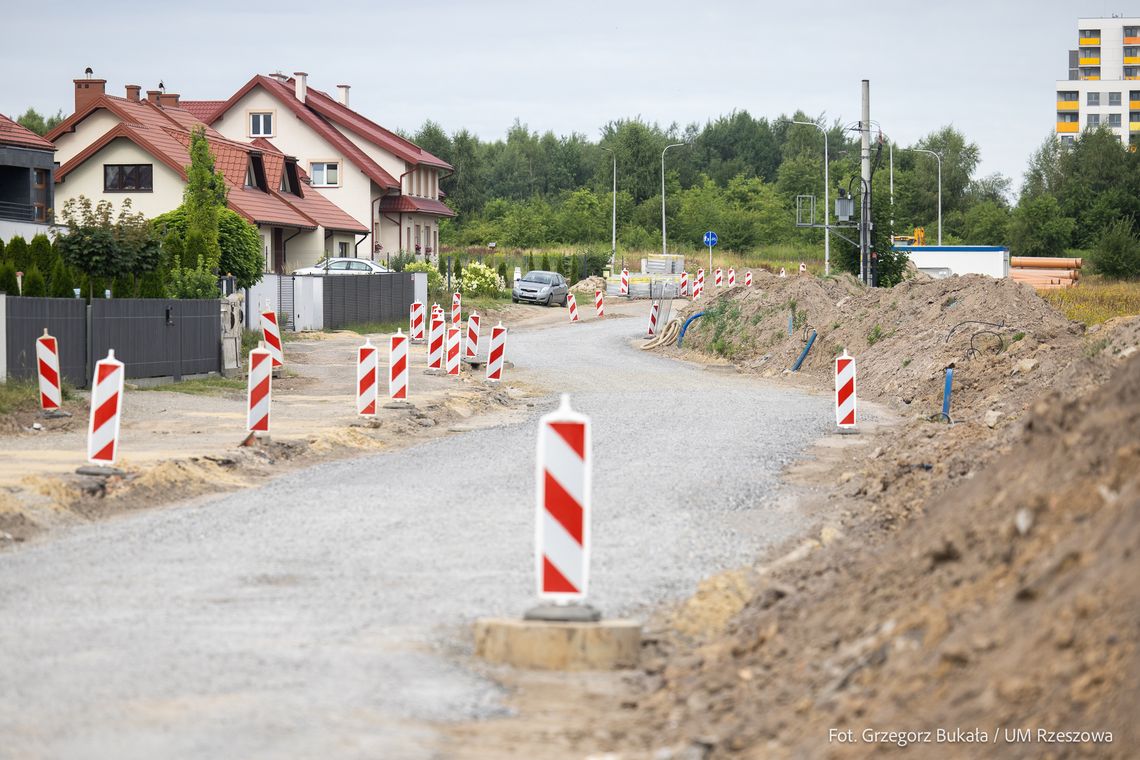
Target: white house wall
{"x":70,"y":144}
{"x":87,"y":180}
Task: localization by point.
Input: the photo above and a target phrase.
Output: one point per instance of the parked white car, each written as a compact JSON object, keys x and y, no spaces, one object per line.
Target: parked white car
{"x":344,"y":266}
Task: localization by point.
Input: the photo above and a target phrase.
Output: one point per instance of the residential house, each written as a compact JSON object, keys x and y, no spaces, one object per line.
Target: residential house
{"x":367,"y":170}
{"x":132,"y":147}
{"x":27,"y":166}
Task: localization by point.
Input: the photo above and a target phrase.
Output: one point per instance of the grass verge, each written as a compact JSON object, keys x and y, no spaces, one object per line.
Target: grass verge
{"x":205,"y":386}
{"x":18,"y":395}
{"x":1096,"y":300}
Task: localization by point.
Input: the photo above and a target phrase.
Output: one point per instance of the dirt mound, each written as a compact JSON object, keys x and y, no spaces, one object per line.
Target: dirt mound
{"x":999,"y":336}
{"x":589,"y":285}
{"x":1011,"y":603}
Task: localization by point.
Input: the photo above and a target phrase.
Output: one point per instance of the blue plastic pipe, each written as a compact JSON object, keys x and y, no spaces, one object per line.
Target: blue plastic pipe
{"x":686,"y":326}
{"x":946,"y":393}
{"x":796,"y":366}
{"x":791,"y":322}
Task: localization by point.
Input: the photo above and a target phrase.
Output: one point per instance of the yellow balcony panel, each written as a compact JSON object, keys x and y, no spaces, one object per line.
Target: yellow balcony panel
{"x":1134,"y":126}
{"x":1134,"y":105}
{"x":1095,"y":77}
{"x":1132,"y":59}
{"x":1132,"y":40}
{"x":1068,"y":105}
{"x":1134,"y":76}
{"x":1090,"y":61}
{"x":1068,"y":126}
{"x":1090,"y":40}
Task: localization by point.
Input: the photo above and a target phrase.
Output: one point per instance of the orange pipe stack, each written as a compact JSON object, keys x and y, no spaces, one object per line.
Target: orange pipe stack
{"x":1045,"y":273}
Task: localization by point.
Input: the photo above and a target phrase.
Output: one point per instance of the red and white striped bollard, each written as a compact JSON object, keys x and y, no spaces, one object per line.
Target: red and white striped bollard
{"x":398,"y":366}
{"x":453,"y":335}
{"x":366,"y":371}
{"x":717,"y":274}
{"x":495,"y":355}
{"x":416,"y":323}
{"x":684,"y":284}
{"x":106,"y":410}
{"x":572,"y":303}
{"x":732,"y":278}
{"x":472,"y":350}
{"x":748,"y":279}
{"x":259,"y":389}
{"x":456,"y":308}
{"x":653,"y":312}
{"x":600,"y":303}
{"x":47,"y":368}
{"x":845,"y":391}
{"x":271,"y":333}
{"x":624,"y":282}
{"x":435,"y":344}
{"x":562,"y":513}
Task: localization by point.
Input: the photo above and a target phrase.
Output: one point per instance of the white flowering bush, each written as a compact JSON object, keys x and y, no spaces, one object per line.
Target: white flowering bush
{"x":479,"y":280}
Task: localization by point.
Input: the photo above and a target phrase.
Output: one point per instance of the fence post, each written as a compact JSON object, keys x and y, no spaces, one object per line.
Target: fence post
{"x":88,"y":361}
{"x":3,"y":338}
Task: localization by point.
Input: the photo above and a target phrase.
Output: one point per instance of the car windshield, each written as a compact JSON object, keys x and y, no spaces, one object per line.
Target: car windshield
{"x":543,"y":278}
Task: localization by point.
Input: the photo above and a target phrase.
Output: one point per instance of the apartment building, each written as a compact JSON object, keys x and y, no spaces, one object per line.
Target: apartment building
{"x":1103,"y":88}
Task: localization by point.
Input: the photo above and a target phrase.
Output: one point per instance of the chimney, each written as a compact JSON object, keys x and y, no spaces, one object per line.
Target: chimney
{"x":87,"y":90}
{"x":168,"y":99}
{"x":344,"y":93}
{"x":133,"y":91}
{"x":152,"y":96}
{"x":302,"y":83}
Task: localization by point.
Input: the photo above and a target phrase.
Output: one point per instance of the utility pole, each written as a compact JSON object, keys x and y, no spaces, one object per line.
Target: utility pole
{"x":865,"y":205}
{"x":826,"y":198}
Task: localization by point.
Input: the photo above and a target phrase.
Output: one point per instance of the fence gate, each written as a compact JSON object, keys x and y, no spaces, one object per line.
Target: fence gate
{"x":285,"y":302}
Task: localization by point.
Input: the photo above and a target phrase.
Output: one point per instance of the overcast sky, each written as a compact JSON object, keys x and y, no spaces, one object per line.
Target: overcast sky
{"x":986,"y":66}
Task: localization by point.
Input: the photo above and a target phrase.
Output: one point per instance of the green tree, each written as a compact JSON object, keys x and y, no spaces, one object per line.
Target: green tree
{"x":17,"y":253}
{"x":104,"y":246}
{"x":1039,"y":228}
{"x":62,"y":285}
{"x":3,"y":255}
{"x":986,"y":223}
{"x":238,"y":241}
{"x":8,"y":282}
{"x":1117,"y":251}
{"x":34,"y":284}
{"x":203,"y":199}
{"x":41,"y":253}
{"x":36,"y":122}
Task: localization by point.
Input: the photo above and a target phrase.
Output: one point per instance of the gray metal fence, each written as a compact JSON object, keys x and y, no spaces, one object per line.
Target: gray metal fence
{"x":153,"y":337}
{"x":358,"y":299}
{"x":25,"y":320}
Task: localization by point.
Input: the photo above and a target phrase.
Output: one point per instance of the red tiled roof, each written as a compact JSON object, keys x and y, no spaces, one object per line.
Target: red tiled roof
{"x":339,"y":113}
{"x":201,"y":108}
{"x":331,"y":134}
{"x":410,"y":204}
{"x":12,"y":133}
{"x":308,"y":201}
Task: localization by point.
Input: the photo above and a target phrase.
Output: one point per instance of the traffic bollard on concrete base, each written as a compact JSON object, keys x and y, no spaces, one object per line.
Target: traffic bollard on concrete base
{"x":559,"y":645}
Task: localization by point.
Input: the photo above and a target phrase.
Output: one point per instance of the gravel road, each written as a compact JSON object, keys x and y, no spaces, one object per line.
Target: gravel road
{"x":320,"y":614}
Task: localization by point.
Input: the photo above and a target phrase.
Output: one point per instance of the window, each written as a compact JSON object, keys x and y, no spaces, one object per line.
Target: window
{"x":1094,"y":99}
{"x":1068,"y":140}
{"x":325,"y":174}
{"x":1134,"y":95}
{"x":1086,"y":33}
{"x":261,"y":125}
{"x":338,"y":266}
{"x":357,"y":266}
{"x":250,"y":180}
{"x":1134,"y":117}
{"x":1114,"y":98}
{"x":342,"y":249}
{"x":1114,"y":120}
{"x":128,"y":177}
{"x":1131,"y":72}
{"x":1132,"y":31}
{"x":1094,"y":120}
{"x":1068,"y":96}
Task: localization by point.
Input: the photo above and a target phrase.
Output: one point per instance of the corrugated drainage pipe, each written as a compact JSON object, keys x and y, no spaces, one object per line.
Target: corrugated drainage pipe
{"x":686,"y":326}
{"x":803,"y":355}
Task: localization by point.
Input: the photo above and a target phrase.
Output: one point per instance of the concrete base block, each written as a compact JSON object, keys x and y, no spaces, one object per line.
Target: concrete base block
{"x":545,"y":645}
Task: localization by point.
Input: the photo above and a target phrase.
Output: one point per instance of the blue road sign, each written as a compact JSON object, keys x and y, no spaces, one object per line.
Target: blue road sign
{"x":710,"y":238}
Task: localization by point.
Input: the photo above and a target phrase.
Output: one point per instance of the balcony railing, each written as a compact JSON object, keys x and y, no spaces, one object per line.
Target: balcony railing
{"x":1134,"y":126}
{"x":1068,"y":105}
{"x":1090,"y":40}
{"x":20,"y":212}
{"x":1090,"y":61}
{"x":1068,"y":126}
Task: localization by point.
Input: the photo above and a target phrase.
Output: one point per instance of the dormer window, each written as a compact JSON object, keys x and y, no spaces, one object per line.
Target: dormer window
{"x":255,"y":173}
{"x":261,"y":124}
{"x":250,"y":180}
{"x":290,"y":181}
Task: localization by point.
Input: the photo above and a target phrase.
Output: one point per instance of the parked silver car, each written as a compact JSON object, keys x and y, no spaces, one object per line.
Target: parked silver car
{"x":344,"y":266}
{"x":546,"y":288}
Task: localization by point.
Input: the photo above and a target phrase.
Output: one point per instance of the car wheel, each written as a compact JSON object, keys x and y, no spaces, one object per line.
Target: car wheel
{"x":565,"y":300}
{"x":549,"y":300}
{"x":514,"y":300}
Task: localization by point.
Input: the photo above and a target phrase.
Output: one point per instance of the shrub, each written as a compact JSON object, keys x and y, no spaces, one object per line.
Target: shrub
{"x":434,"y":278}
{"x":8,"y":282}
{"x":62,"y":284}
{"x":503,"y":271}
{"x":238,"y":240}
{"x":479,"y":280}
{"x":34,"y":283}
{"x":41,"y":254}
{"x":17,"y":254}
{"x":1117,"y":252}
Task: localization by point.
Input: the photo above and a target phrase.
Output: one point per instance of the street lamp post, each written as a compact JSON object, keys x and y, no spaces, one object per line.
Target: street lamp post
{"x":613,"y":220}
{"x":664,"y":251}
{"x":938,"y":156}
{"x":826,"y":199}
